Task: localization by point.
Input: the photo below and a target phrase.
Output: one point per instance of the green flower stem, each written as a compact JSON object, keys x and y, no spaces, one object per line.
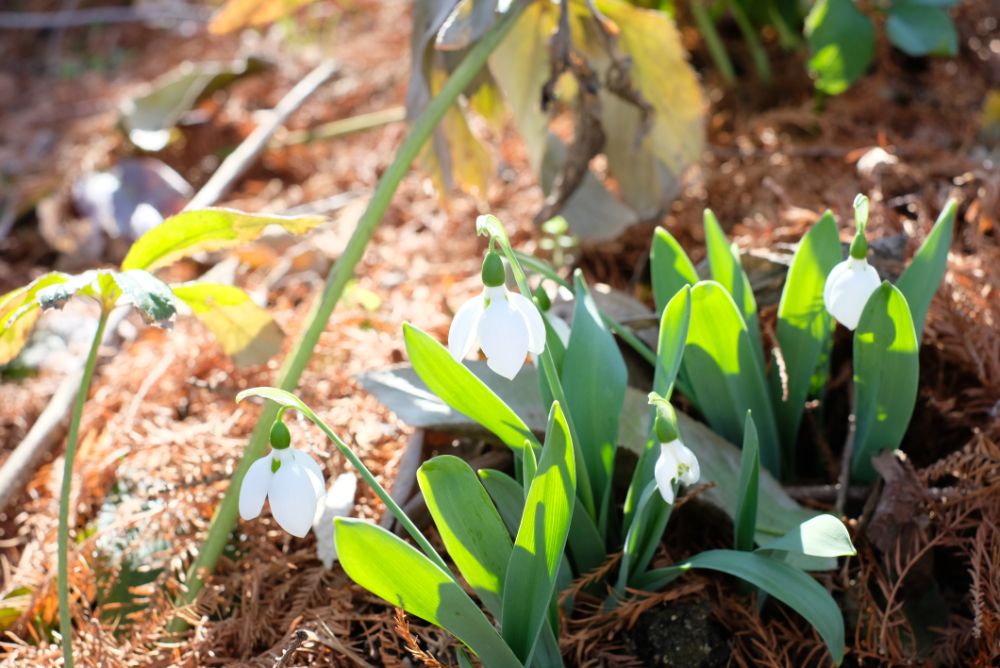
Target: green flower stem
{"x":623,"y":332}
{"x":390,"y":503}
{"x":288,"y":378}
{"x":65,"y":617}
{"x":757,"y":51}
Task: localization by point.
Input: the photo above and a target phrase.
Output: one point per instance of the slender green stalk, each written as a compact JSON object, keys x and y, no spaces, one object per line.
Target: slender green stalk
{"x":345,"y":126}
{"x":757,"y":51}
{"x":288,"y":378}
{"x":65,"y":617}
{"x":713,"y":42}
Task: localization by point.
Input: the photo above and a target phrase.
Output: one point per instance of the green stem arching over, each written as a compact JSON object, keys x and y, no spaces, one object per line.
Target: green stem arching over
{"x":65,"y":617}
{"x":226,"y":513}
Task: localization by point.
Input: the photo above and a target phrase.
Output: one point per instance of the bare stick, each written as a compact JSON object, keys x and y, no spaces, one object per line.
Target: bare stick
{"x":846,"y":456}
{"x":236,"y":164}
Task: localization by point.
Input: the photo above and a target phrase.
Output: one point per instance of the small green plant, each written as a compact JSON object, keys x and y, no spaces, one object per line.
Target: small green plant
{"x":245,"y":330}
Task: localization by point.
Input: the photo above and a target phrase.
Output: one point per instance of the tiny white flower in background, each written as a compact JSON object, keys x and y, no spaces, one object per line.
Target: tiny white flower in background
{"x":506,"y":325}
{"x":338,"y":502}
{"x":850,"y":284}
{"x":848,"y":288}
{"x":676,"y":462}
{"x":294,"y":490}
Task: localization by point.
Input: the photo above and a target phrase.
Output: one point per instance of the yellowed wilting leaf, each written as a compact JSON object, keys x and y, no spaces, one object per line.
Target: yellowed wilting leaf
{"x":246,"y":332}
{"x":19,"y":312}
{"x":236,"y":14}
{"x":455,"y":155}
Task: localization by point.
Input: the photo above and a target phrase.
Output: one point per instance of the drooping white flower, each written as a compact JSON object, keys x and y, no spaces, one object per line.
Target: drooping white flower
{"x":293,"y":483}
{"x":848,"y":288}
{"x":675,"y":463}
{"x":338,"y":502}
{"x":506,"y":325}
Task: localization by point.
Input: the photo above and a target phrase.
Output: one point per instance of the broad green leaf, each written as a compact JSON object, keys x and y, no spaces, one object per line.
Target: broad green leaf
{"x":670,"y":268}
{"x":727,"y":271}
{"x":921,"y":30}
{"x":842,"y":41}
{"x":724,"y":372}
{"x":396,"y":572}
{"x":204,"y":230}
{"x":886,"y":373}
{"x":804,"y":325}
{"x":148,"y":294}
{"x":789,"y":585}
{"x":19,"y":312}
{"x":922,"y":278}
{"x":745,"y":522}
{"x":643,"y":535}
{"x":469,"y":524}
{"x":822,"y":536}
{"x":541,"y":539}
{"x":462,"y":390}
{"x":594,"y":379}
{"x":246,"y":332}
{"x":507,"y":495}
{"x":57,"y":293}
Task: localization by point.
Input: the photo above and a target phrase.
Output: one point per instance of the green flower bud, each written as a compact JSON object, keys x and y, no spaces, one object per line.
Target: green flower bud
{"x":281,"y":438}
{"x":542,"y":299}
{"x":494,"y":274}
{"x":665,"y":424}
{"x":859,"y":247}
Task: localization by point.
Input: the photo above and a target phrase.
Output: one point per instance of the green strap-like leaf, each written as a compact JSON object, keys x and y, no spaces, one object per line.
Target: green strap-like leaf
{"x":745,"y":522}
{"x":804,"y":325}
{"x":507,"y":496}
{"x":541,"y":539}
{"x":469,"y":524}
{"x":922,"y":278}
{"x":393,"y":570}
{"x":822,"y":536}
{"x":204,"y":230}
{"x":886,"y":373}
{"x":594,"y":378}
{"x":670,"y":268}
{"x":246,"y":332}
{"x":462,"y":390}
{"x":725,"y":374}
{"x":728,"y":272}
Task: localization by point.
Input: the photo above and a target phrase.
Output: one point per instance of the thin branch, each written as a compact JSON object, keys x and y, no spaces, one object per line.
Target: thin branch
{"x":168,"y":13}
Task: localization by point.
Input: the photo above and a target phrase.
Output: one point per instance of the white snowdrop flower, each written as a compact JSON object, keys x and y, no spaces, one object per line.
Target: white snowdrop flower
{"x":506,"y":325}
{"x":292,"y":481}
{"x":848,"y":288}
{"x":338,"y":502}
{"x":675,"y":463}
{"x":852,"y":282}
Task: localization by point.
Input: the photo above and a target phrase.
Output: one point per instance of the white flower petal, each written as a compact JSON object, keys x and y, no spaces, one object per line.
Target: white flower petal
{"x":503,"y":335}
{"x":340,"y":498}
{"x":338,"y":502}
{"x":293,"y":499}
{"x":690,"y":469}
{"x":312,"y":468}
{"x":832,"y":279}
{"x":462,"y":334}
{"x":533,"y":319}
{"x":254,"y":488}
{"x":848,"y":292}
{"x":665,"y":472}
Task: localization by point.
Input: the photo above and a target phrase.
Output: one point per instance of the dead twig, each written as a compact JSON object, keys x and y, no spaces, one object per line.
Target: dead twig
{"x":166,"y":13}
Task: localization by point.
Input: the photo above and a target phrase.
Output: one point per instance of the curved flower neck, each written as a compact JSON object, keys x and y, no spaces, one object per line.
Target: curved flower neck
{"x":492,"y":293}
{"x":857,"y":263}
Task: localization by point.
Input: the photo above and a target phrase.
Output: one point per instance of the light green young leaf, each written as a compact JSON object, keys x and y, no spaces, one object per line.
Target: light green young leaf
{"x":541,"y":539}
{"x":462,"y":390}
{"x":823,"y":536}
{"x":643,"y":535}
{"x":745,"y":522}
{"x":789,"y":585}
{"x":725,"y":374}
{"x":396,"y":572}
{"x":594,"y":378}
{"x":922,"y":278}
{"x":804,"y":325}
{"x":148,"y":294}
{"x":507,"y":495}
{"x":469,"y":524}
{"x":886,"y":373}
{"x":246,"y":332}
{"x":204,"y":230}
{"x":670,"y":268}
{"x":842,"y":41}
{"x":728,"y":272}
{"x":19,"y":313}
